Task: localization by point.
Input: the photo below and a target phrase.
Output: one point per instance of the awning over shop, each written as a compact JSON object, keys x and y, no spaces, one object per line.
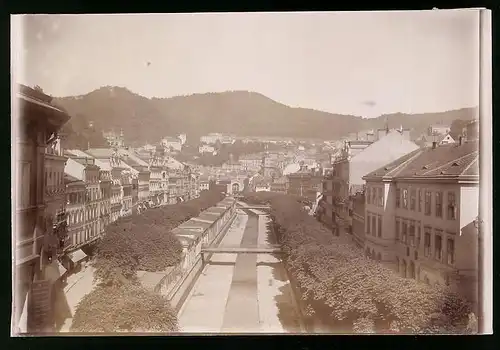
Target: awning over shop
{"x":78,"y":256}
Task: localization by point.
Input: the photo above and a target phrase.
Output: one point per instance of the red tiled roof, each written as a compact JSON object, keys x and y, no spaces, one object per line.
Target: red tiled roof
{"x":443,"y":161}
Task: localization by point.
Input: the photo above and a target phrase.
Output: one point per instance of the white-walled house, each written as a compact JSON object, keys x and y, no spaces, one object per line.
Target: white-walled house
{"x":420,"y":212}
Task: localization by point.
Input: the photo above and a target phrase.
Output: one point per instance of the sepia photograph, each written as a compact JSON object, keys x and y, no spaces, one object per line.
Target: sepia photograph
{"x":252,"y":173}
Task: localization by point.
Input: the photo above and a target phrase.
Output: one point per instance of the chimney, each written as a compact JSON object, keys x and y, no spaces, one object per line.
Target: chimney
{"x":434,"y":144}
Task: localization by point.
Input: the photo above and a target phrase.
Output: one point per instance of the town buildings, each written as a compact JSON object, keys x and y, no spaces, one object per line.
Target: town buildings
{"x":211,"y":138}
{"x":438,"y":129}
{"x":305,"y":182}
{"x":251,"y":162}
{"x":206,"y":149}
{"x":420,"y":214}
{"x":172,"y":143}
{"x":54,"y":194}
{"x":204,"y":184}
{"x":75,"y":206}
{"x":89,"y":226}
{"x":38,"y":234}
{"x":114,"y":139}
{"x":280,"y":185}
{"x":356,"y":159}
{"x":471,"y":130}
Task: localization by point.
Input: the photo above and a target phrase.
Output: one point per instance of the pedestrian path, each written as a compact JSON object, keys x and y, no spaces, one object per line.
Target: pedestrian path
{"x":198,"y":315}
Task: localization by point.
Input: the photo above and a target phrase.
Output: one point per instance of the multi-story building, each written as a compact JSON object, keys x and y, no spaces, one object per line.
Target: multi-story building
{"x":420,"y":214}
{"x":111,"y":159}
{"x":105,"y":186}
{"x":36,"y":122}
{"x":206,"y":149}
{"x":358,"y":219}
{"x":251,"y":162}
{"x":85,"y":170}
{"x":194,"y":191}
{"x":75,"y":206}
{"x":438,"y":129}
{"x":54,"y":196}
{"x":305,"y":183}
{"x":345,"y":180}
{"x":280,"y":185}
{"x":172,"y":143}
{"x":157,"y":179}
{"x":471,"y":130}
{"x":114,"y":140}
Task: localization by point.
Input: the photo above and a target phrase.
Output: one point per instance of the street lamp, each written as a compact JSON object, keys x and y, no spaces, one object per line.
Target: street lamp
{"x":477,"y":224}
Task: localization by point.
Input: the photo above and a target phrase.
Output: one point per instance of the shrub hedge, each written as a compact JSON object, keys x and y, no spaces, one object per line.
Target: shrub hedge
{"x":144,"y":241}
{"x":125,"y":308}
{"x":350,"y":292}
{"x":138,"y":242}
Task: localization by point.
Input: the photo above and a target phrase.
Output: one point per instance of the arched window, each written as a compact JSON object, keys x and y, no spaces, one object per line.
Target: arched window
{"x":404,"y":269}
{"x":379,"y":257}
{"x":397,"y":264}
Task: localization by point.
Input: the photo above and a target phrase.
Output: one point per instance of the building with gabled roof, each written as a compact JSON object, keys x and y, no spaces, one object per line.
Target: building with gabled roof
{"x":356,"y":159}
{"x":420,"y":214}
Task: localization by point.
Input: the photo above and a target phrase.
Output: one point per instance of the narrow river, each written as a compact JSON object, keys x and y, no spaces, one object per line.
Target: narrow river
{"x":242,"y":293}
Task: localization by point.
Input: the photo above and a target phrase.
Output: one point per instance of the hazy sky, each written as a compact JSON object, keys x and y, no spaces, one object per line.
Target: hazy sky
{"x":366,"y":63}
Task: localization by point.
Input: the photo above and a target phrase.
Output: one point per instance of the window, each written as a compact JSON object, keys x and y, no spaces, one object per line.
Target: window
{"x":374,"y":225}
{"x":451,"y":206}
{"x":374,"y":196}
{"x":427,"y":241}
{"x":397,"y":264}
{"x":439,"y":204}
{"x":419,"y":199}
{"x":405,"y":198}
{"x":413,"y":199}
{"x":397,"y":230}
{"x":403,"y":268}
{"x":418,"y":235}
{"x":428,"y":196}
{"x":379,"y":233}
{"x":368,"y":223}
{"x":398,"y":198}
{"x":450,"y":251}
{"x":380,"y":197}
{"x":25,"y":185}
{"x":405,"y":231}
{"x":379,"y":257}
{"x":438,"y":249}
{"x":412,"y":233}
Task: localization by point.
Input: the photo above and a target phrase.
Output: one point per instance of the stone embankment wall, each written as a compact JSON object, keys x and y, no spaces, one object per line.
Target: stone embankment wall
{"x":208,"y":228}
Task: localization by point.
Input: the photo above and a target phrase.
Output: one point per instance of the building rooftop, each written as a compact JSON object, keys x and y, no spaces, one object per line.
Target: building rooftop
{"x":68,"y":179}
{"x":444,"y":161}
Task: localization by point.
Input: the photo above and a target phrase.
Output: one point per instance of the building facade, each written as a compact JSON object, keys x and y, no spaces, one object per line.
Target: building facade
{"x":420,"y":213}
{"x":344,"y":181}
{"x":38,"y":123}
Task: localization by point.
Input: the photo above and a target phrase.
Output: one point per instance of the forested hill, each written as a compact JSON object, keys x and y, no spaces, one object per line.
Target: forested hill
{"x":237,"y":112}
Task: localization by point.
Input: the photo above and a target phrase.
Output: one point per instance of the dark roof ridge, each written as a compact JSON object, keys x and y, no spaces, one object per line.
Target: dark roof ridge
{"x":470,"y":164}
{"x":450,"y":162}
{"x":400,"y":167}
